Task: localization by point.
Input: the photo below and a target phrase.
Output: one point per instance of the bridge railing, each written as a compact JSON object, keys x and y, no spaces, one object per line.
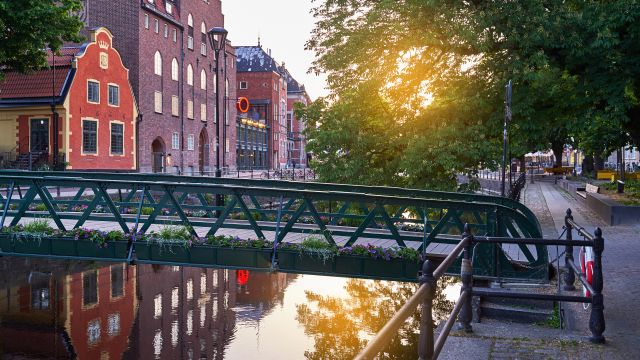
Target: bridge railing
{"x":428,"y":349}
{"x":341,"y":216}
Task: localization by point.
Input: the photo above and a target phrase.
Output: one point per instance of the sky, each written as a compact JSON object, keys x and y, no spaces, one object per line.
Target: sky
{"x":283,"y":26}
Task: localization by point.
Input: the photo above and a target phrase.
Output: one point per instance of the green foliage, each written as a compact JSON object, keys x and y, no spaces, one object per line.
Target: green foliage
{"x":39,"y":226}
{"x":40,"y":207}
{"x":29,"y":26}
{"x":146,"y":210}
{"x":423,"y":100}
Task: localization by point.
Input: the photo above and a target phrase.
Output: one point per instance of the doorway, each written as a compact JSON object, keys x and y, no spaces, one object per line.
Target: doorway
{"x":203,"y":149}
{"x":39,"y":135}
{"x":157,"y":151}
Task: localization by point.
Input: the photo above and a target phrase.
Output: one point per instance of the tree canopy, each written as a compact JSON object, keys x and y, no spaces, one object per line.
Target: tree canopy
{"x":27,"y":27}
{"x":417,"y":86}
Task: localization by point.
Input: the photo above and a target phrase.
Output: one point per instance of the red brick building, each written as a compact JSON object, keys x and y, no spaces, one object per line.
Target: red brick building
{"x":85,"y":97}
{"x":296,"y":140}
{"x":259,"y":80}
{"x":173,"y":75}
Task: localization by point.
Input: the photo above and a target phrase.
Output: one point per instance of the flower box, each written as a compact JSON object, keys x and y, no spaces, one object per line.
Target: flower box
{"x":378,"y":268}
{"x":244,"y":257}
{"x":169,"y":252}
{"x":294,"y":260}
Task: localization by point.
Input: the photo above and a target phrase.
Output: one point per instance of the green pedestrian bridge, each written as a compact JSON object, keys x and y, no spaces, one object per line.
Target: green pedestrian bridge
{"x":367,"y":231}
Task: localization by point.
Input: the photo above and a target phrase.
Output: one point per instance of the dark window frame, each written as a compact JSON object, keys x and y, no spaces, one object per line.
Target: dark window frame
{"x":89,"y":137}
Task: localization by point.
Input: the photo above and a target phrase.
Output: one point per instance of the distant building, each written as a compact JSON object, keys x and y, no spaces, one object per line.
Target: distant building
{"x":165,"y":45}
{"x":296,"y":140}
{"x":85,"y":97}
{"x":269,"y":136}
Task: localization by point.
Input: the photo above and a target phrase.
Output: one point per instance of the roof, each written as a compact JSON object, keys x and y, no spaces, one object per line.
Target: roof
{"x":43,"y":83}
{"x":254,"y":59}
{"x":293,"y":86}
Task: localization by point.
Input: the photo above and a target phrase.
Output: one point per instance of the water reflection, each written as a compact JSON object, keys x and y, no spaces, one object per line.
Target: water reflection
{"x":341,"y":326}
{"x":66,"y":310}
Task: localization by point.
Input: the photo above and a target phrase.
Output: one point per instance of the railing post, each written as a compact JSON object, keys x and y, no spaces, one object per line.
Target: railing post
{"x":569,"y":276}
{"x":466,"y":273}
{"x":596,"y":320}
{"x":425,"y":346}
{"x":30,"y":161}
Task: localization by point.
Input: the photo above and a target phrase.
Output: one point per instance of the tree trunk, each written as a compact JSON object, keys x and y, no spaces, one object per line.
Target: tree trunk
{"x":598,"y":162}
{"x":557,"y":148}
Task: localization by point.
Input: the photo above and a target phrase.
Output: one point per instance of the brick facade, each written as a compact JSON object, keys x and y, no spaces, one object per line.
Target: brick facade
{"x":134,"y":24}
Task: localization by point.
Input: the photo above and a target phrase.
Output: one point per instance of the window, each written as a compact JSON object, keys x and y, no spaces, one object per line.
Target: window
{"x":243,"y":85}
{"x":175,"y":141}
{"x":93,"y":92}
{"x":203,"y":41}
{"x":117,"y":283}
{"x":174,"y":69}
{"x":114,"y":95}
{"x":190,"y":32}
{"x":169,"y":7}
{"x":146,"y":21}
{"x":117,"y":143}
{"x":190,"y":142}
{"x":158,"y":102}
{"x":89,"y":287}
{"x":113,"y":324}
{"x":93,"y":331}
{"x":89,"y":136}
{"x":190,"y":109}
{"x":156,"y":25}
{"x":157,"y":306}
{"x":189,"y":75}
{"x":189,"y":289}
{"x":166,"y":30}
{"x":226,"y":146}
{"x":175,"y":35}
{"x":203,"y":112}
{"x":203,"y":80}
{"x":175,"y":106}
{"x":157,"y":63}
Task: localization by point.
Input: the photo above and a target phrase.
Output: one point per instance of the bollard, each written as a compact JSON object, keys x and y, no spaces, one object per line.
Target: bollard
{"x":425,"y":345}
{"x":569,"y":276}
{"x":466,"y":273}
{"x":596,"y":319}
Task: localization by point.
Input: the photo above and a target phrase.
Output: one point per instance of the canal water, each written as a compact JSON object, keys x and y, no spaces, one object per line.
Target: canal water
{"x":86,"y":310}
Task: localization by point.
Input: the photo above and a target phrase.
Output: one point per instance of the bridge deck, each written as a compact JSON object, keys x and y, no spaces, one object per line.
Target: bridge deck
{"x":434,"y":249}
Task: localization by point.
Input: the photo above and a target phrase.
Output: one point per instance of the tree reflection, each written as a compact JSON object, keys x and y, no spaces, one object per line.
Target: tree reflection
{"x":341,"y":327}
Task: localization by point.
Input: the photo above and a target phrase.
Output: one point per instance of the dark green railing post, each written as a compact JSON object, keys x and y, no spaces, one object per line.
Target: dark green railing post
{"x":569,"y":275}
{"x":425,"y":346}
{"x":596,"y":320}
{"x":466,"y":273}
{"x":6,"y":204}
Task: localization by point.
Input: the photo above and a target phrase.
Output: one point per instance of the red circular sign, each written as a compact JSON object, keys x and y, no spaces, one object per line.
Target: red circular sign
{"x":242,"y":276}
{"x":243,"y":104}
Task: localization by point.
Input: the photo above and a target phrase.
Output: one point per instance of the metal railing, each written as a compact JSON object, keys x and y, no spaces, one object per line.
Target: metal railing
{"x":428,"y":349}
{"x":333,"y":211}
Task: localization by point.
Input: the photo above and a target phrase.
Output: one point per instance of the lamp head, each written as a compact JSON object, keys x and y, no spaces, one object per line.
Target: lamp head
{"x":217,"y":38}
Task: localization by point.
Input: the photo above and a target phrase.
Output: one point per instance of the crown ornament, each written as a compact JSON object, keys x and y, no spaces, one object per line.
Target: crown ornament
{"x":103,"y":44}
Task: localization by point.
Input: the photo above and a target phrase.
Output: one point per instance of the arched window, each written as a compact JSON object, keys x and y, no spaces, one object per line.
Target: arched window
{"x":203,"y":41}
{"x":190,"y":32}
{"x":174,"y":69}
{"x":203,"y":80}
{"x":157,"y":62}
{"x":189,"y":75}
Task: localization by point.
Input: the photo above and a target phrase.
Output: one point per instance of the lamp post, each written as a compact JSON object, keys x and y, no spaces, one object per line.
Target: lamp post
{"x":217,"y":38}
{"x":507,"y":119}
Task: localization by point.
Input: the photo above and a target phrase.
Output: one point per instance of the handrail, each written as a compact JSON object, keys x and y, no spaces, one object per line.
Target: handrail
{"x":462,"y":309}
{"x":425,"y":294}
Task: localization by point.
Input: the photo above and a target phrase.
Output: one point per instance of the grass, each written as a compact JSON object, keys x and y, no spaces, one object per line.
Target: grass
{"x":40,"y":226}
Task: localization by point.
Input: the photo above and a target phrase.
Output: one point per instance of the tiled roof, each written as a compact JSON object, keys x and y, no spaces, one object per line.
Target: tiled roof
{"x":254,"y":59}
{"x":41,"y":83}
{"x":293,"y":86}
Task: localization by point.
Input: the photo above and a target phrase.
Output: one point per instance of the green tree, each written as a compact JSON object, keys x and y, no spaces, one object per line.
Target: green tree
{"x":27,"y":27}
{"x":438,"y":69}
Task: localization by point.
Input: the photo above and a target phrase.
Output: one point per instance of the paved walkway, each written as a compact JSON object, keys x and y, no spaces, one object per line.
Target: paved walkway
{"x":503,"y":340}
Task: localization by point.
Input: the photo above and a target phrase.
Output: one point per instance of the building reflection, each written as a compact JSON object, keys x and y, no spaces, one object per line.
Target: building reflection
{"x":62,"y":310}
{"x":67,"y":310}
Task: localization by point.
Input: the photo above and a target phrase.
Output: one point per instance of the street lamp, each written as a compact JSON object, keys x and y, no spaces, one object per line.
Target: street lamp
{"x":217,"y":38}
{"x":507,"y":119}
